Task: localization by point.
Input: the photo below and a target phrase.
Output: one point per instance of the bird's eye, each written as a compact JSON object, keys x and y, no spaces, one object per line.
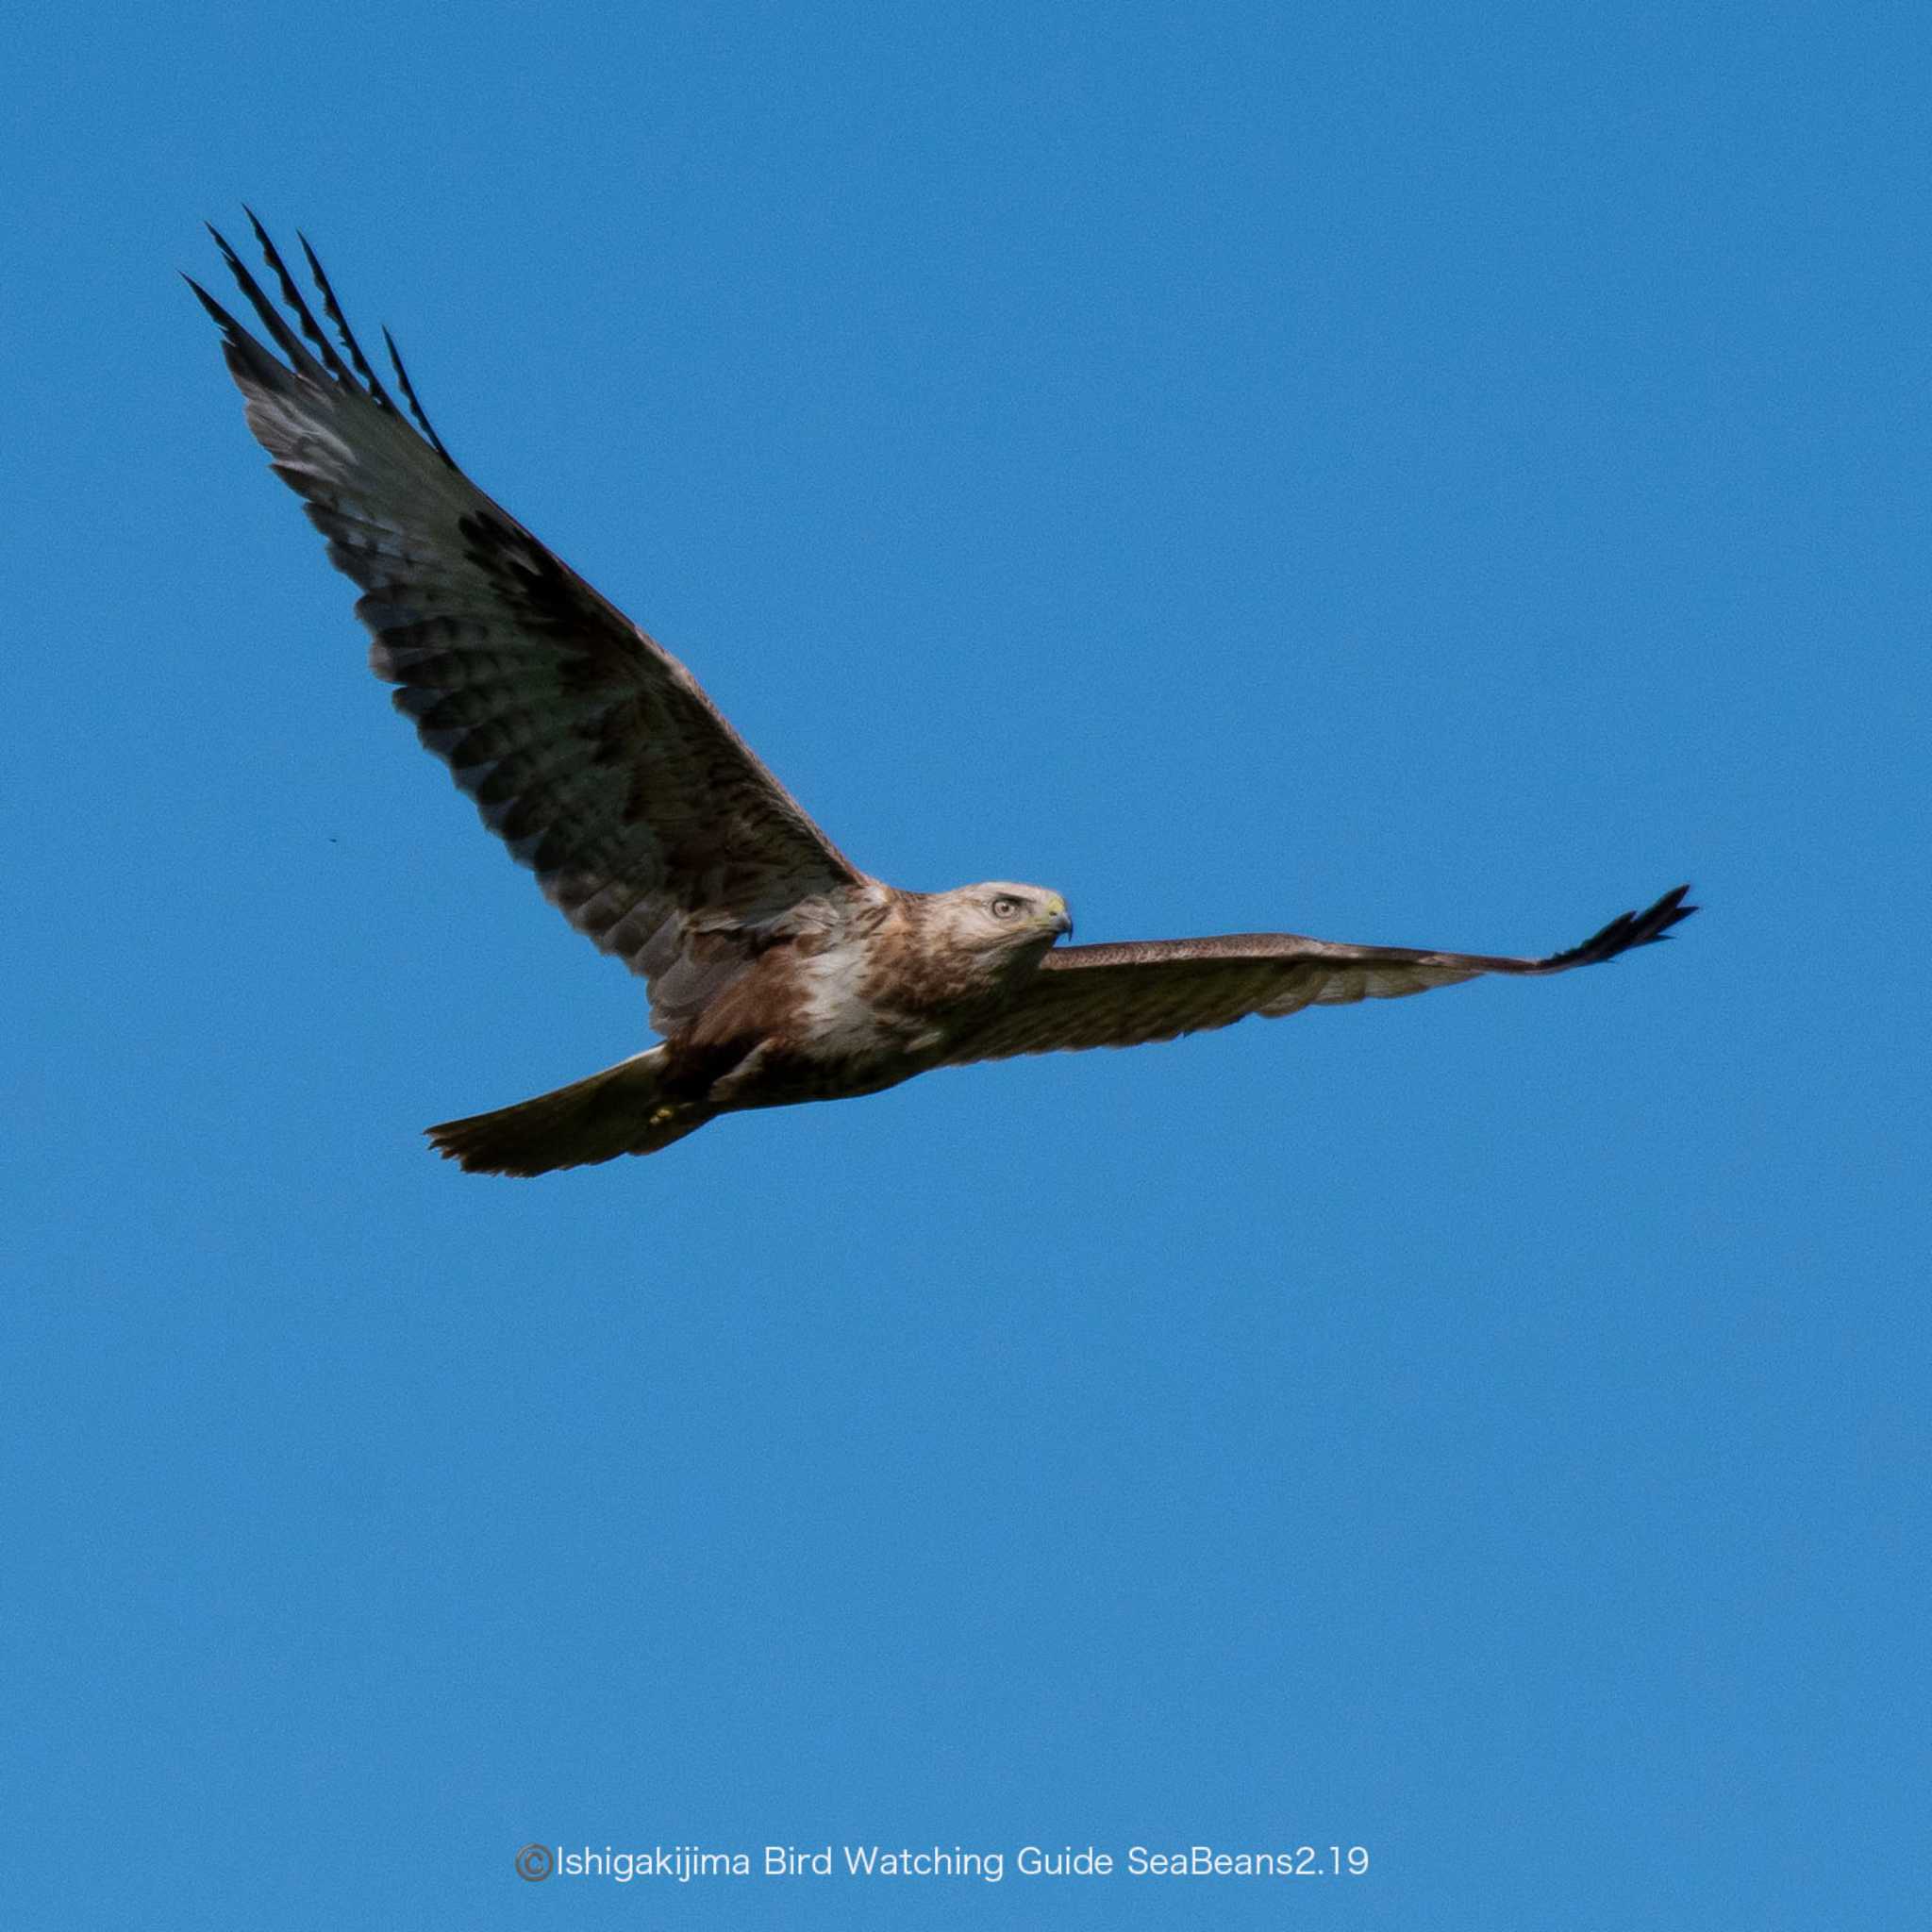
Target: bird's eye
{"x":1005,"y":907}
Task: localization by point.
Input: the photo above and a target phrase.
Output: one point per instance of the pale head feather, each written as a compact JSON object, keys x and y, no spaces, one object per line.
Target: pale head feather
{"x":998,"y":915}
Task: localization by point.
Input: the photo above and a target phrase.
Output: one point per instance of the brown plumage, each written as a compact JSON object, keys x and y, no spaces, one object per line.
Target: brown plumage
{"x":777,"y":972}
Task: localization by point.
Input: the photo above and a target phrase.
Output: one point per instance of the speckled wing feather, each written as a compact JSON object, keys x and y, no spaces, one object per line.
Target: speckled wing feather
{"x":1128,"y":995}
{"x":589,"y":750}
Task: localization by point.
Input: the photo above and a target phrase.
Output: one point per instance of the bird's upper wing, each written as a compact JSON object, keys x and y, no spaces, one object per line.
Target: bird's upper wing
{"x":1126,"y":995}
{"x":589,"y":750}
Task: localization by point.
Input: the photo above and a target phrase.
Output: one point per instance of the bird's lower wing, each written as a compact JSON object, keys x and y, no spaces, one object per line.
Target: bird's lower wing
{"x":1128,"y":995}
{"x":588,"y":749}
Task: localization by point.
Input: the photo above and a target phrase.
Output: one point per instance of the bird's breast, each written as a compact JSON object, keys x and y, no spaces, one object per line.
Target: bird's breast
{"x":846,"y":1007}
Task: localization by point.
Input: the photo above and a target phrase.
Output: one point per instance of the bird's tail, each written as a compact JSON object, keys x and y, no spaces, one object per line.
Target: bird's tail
{"x":622,"y":1110}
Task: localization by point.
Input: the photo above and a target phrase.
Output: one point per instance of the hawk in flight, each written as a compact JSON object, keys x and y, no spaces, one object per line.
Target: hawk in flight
{"x":778,"y":972}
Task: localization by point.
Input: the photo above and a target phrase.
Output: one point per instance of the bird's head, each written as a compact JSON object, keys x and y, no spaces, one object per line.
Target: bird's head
{"x":1000,"y":918}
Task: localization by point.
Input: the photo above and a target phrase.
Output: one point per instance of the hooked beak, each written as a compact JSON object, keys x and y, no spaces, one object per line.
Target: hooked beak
{"x":1063,"y":925}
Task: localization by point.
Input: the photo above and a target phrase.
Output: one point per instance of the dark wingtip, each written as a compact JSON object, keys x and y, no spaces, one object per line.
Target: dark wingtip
{"x":233,"y":334}
{"x":332,"y":307}
{"x":284,"y":338}
{"x":1629,"y":930}
{"x":357,"y":372}
{"x":222,"y":242}
{"x":416,"y":408}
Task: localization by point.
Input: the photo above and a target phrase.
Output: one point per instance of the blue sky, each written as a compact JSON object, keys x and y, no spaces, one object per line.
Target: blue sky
{"x":1434,"y":476}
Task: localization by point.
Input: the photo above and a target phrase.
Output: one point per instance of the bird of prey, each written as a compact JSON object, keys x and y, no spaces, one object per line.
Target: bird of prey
{"x":777,"y":971}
